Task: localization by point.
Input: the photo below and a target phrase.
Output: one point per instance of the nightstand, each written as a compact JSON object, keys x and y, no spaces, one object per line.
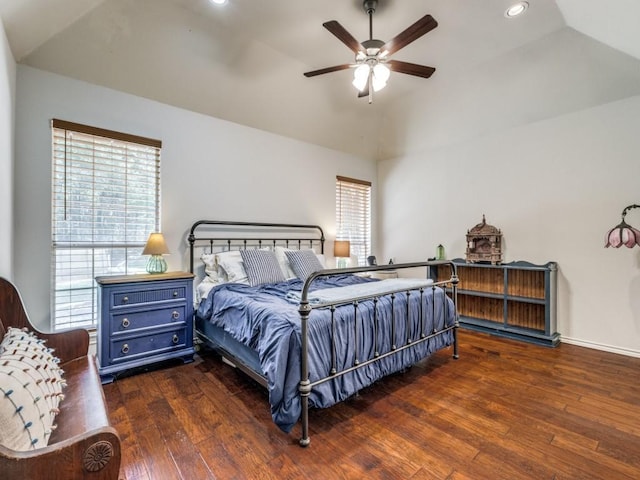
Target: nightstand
{"x":384,"y":274}
{"x":143,"y":319}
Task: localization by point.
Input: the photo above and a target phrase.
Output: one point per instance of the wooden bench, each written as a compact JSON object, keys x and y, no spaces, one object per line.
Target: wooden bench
{"x":84,"y":445}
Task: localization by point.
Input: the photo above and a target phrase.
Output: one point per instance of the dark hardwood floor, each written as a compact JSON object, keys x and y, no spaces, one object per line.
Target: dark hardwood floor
{"x":504,"y":410}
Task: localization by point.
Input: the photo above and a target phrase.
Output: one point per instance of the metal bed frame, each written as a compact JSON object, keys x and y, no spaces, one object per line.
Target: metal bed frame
{"x":266,"y":234}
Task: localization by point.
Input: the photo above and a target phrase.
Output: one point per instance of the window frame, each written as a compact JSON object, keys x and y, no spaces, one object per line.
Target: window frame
{"x":96,"y":154}
{"x":356,"y":227}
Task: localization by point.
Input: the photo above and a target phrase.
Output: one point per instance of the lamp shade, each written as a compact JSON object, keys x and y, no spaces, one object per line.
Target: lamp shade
{"x":623,"y":234}
{"x":380,"y":76}
{"x":342,"y":248}
{"x":155,"y":245}
{"x":361,"y":76}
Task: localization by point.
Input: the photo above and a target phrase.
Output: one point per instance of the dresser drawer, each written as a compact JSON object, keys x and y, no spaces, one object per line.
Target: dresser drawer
{"x":134,"y":320}
{"x":147,"y":296}
{"x":128,"y":349}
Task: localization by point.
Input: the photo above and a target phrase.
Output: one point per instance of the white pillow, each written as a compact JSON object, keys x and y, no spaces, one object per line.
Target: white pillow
{"x":285,"y":266}
{"x":210,"y":266}
{"x":227,"y":266}
{"x":231,"y":263}
{"x":30,"y":391}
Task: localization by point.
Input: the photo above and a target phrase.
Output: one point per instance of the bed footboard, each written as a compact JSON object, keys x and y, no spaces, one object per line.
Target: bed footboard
{"x":420,"y":332}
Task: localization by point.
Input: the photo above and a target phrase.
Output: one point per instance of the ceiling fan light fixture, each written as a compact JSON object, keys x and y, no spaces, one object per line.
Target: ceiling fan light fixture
{"x":361,"y":76}
{"x":380,"y":76}
{"x":516,"y":9}
{"x":218,"y":2}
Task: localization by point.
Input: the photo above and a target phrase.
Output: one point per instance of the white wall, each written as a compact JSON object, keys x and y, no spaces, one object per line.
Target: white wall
{"x":7,"y":103}
{"x":211,"y":169}
{"x":552,"y":167}
{"x":554,"y":189}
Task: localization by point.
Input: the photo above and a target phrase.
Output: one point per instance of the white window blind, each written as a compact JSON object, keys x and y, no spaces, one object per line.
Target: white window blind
{"x":353,"y":215}
{"x":106,"y":201}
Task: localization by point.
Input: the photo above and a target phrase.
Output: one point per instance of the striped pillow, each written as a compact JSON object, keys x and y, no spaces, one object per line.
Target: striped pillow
{"x":262,"y":267}
{"x":303,"y":263}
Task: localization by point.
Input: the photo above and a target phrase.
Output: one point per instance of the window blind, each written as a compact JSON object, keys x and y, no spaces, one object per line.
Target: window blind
{"x":106,"y":201}
{"x":353,"y":215}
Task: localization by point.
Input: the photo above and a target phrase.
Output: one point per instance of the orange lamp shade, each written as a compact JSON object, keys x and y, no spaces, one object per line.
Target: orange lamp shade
{"x":342,"y":248}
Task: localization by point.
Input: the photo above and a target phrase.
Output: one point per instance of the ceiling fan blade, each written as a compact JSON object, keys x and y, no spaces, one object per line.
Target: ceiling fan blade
{"x":410,"y":68}
{"x":415,"y":31}
{"x":345,"y":37}
{"x":327,"y":70}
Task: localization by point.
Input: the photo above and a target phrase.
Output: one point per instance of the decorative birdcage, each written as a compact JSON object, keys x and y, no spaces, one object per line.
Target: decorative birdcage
{"x":484,"y":244}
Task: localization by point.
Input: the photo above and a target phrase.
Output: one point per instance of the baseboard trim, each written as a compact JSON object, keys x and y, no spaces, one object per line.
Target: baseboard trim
{"x":600,"y":346}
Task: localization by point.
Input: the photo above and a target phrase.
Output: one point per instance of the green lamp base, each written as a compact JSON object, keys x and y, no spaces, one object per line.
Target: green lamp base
{"x":156,"y":264}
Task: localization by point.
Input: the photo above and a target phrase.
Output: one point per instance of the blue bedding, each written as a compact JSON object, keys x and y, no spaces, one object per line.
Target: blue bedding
{"x":264,"y":319}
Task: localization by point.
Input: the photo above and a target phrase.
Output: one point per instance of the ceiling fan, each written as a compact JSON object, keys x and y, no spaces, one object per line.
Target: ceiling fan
{"x":372,"y":64}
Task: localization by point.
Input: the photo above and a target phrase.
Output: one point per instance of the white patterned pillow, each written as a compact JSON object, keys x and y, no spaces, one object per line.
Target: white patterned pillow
{"x":30,"y":391}
{"x":262,"y":267}
{"x":303,"y":263}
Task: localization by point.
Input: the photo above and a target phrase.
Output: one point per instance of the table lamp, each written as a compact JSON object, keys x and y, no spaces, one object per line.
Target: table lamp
{"x":156,"y":247}
{"x":342,"y":251}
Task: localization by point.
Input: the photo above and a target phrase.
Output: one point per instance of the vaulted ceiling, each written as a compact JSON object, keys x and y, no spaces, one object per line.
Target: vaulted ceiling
{"x":244,"y":61}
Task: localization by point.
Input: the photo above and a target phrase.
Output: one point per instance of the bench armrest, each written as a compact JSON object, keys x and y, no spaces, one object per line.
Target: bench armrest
{"x":68,"y":345}
{"x":92,"y":455}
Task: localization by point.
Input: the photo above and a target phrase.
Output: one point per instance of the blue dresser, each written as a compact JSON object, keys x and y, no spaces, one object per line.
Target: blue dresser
{"x":143,"y":319}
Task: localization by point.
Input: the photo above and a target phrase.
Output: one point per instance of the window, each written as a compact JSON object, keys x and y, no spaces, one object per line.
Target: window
{"x":106,"y":202}
{"x":353,"y":215}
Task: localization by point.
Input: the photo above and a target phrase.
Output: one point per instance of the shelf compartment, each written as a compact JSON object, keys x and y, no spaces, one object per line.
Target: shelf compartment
{"x":491,"y":309}
{"x":526,"y":315}
{"x":489,"y":280}
{"x":526,"y":283}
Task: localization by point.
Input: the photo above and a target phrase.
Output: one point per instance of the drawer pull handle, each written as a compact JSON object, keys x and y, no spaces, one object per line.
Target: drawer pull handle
{"x":125,"y":322}
{"x":125,"y":299}
{"x":175,"y":293}
{"x":125,"y":348}
{"x":175,"y":315}
{"x":176,"y":339}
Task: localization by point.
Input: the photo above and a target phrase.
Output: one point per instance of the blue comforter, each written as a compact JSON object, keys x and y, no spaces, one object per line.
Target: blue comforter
{"x":264,"y":319}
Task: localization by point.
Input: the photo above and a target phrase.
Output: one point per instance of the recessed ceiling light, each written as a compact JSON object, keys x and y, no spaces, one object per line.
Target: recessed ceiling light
{"x":219,"y":2}
{"x":516,"y":9}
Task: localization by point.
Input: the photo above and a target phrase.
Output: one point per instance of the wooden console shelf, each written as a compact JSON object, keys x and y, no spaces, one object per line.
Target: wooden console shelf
{"x":515,"y":300}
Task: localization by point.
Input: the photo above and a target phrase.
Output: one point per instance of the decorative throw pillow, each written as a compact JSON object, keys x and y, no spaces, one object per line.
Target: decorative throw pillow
{"x":30,"y":391}
{"x":303,"y":263}
{"x":285,"y":266}
{"x":261,"y":267}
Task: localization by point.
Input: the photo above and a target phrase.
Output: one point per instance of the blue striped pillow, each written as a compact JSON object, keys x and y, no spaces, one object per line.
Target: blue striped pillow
{"x":262,"y":267}
{"x":303,"y":262}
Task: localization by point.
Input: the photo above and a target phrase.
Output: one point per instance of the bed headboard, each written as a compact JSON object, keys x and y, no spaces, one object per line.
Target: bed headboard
{"x":225,"y":235}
